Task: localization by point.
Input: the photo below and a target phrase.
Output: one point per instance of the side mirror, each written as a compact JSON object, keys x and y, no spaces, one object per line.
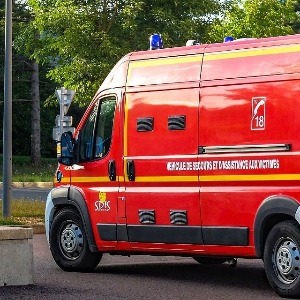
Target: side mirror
{"x":66,"y":154}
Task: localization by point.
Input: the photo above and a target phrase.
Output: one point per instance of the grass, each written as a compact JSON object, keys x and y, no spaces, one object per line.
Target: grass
{"x":27,"y":212}
{"x":24,"y":171}
{"x":24,"y":212}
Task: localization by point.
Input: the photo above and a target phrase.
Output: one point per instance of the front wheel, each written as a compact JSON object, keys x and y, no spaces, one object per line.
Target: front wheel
{"x":282,"y":258}
{"x":68,"y":243}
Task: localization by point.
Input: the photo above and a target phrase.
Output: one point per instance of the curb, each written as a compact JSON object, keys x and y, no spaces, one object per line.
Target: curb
{"x":38,"y":228}
{"x":44,"y":185}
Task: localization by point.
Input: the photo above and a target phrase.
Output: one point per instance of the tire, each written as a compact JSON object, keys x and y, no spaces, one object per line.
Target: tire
{"x":282,"y":259}
{"x":68,"y":243}
{"x":205,"y":260}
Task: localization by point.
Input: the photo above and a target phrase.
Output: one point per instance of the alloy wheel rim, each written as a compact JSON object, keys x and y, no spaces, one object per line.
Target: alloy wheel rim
{"x":286,"y":260}
{"x":71,"y":241}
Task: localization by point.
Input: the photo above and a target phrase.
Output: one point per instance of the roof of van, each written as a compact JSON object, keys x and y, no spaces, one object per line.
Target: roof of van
{"x":208,"y":48}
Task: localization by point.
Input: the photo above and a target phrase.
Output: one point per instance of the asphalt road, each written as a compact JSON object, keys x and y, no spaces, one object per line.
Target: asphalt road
{"x":142,"y":277}
{"x":29,"y":193}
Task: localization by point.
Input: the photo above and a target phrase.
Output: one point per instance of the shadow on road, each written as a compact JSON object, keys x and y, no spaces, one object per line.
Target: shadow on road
{"x":243,"y":276}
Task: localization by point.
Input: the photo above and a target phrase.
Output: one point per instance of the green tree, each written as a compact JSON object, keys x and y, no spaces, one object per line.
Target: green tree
{"x":296,"y":25}
{"x":23,"y":82}
{"x":20,"y":79}
{"x":23,"y":45}
{"x":2,"y":50}
{"x":254,"y":19}
{"x":82,"y":40}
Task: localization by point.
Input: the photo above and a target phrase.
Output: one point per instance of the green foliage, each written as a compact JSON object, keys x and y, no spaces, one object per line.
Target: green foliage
{"x":24,"y":42}
{"x":296,"y":25}
{"x":24,"y":212}
{"x":9,"y":222}
{"x":256,"y":18}
{"x":27,"y":208}
{"x":82,"y":40}
{"x":24,"y":171}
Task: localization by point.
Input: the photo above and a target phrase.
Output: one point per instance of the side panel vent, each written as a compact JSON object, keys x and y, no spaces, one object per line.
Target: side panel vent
{"x":145,"y":124}
{"x":176,"y":122}
{"x":178,"y":217}
{"x":147,"y":216}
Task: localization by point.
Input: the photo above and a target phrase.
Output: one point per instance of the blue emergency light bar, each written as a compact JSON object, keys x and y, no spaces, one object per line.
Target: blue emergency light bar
{"x":156,"y":42}
{"x":228,"y":39}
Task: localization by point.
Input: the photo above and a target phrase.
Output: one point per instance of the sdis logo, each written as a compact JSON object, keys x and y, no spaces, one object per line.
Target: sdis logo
{"x":102,"y":204}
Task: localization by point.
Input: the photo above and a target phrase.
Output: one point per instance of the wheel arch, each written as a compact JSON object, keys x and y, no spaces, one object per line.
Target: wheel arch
{"x":72,"y":197}
{"x":272,"y":211}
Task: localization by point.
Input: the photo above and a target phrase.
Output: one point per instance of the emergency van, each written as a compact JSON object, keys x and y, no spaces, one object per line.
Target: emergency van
{"x":189,"y":151}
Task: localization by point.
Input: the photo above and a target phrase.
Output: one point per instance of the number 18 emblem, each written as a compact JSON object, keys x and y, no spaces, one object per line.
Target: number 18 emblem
{"x":258,"y":120}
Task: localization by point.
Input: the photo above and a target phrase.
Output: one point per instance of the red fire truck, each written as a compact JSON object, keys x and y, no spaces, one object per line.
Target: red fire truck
{"x":190,"y":151}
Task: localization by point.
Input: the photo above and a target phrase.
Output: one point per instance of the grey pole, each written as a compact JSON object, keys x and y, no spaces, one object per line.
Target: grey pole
{"x":61,"y":111}
{"x":7,"y":116}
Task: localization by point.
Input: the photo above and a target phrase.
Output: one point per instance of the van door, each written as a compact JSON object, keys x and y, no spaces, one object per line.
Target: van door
{"x":160,"y":167}
{"x":95,"y":175}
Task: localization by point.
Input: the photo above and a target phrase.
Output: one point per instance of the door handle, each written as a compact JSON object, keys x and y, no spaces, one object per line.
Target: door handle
{"x":112,"y":170}
{"x":130,"y":170}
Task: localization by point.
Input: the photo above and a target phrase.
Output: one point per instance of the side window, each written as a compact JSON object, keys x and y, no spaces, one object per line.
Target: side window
{"x":86,"y":135}
{"x":95,"y":136}
{"x":105,"y":127}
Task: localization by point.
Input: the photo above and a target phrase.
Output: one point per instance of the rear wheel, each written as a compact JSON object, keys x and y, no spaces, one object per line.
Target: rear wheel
{"x":282,"y":258}
{"x":68,"y":243}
